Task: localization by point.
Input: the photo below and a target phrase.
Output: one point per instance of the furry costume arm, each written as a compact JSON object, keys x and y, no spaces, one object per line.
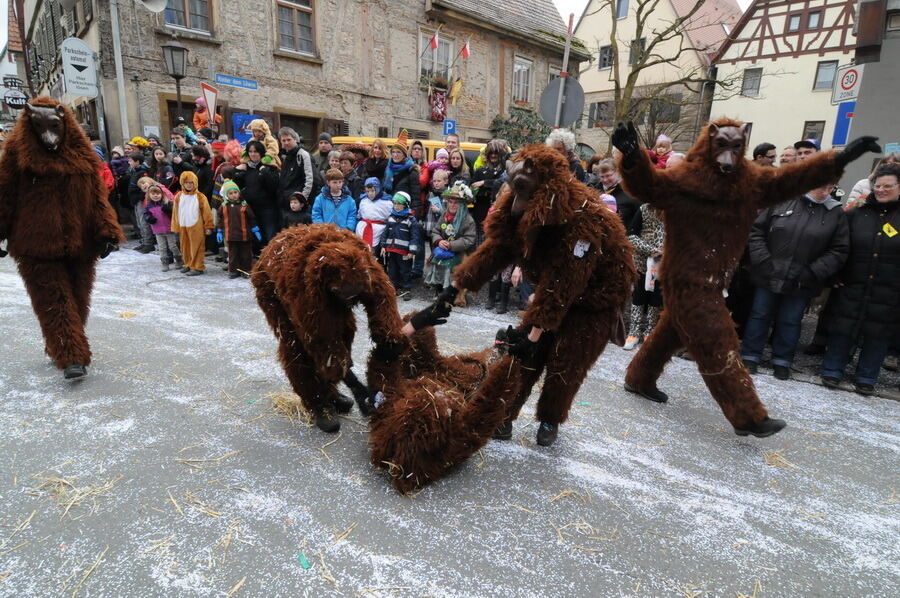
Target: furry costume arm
{"x":104,"y":219}
{"x":498,"y":250}
{"x":8,"y":191}
{"x":648,"y":184}
{"x":176,"y":228}
{"x":381,"y":309}
{"x":777,"y":184}
{"x":205,"y":212}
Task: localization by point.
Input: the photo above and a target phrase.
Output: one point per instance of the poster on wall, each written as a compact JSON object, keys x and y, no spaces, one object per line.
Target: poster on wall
{"x":240,"y":122}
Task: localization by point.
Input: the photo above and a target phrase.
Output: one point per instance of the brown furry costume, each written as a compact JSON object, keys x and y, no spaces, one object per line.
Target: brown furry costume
{"x":55,"y":215}
{"x":578,"y":298}
{"x":307,"y":281}
{"x":708,"y":214}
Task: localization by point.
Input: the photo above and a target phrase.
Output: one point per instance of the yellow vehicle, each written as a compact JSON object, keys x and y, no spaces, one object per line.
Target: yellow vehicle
{"x":470,"y":150}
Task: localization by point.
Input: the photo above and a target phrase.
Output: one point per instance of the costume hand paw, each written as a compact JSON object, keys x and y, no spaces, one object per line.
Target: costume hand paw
{"x":625,"y":139}
{"x":220,"y":237}
{"x":517,"y":343}
{"x":433,"y":315}
{"x":448,"y":296}
{"x":388,"y":350}
{"x":3,"y":253}
{"x":105,"y":247}
{"x":856,"y":148}
{"x":256,"y":233}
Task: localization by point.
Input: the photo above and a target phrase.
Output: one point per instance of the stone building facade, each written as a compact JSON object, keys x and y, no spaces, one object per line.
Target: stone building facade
{"x":343,"y":66}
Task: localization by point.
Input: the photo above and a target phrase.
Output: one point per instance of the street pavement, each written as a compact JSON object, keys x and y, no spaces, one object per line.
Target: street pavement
{"x":167,"y":472}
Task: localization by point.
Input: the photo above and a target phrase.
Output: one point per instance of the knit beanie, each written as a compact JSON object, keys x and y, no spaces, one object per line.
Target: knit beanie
{"x":442,"y":153}
{"x":226,"y":187}
{"x":401,"y":197}
{"x":325,"y":137}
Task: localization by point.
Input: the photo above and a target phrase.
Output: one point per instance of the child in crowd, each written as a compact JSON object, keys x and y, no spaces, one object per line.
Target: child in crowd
{"x":452,"y":237}
{"x":261,"y":132}
{"x":374,"y":209}
{"x":661,"y":151}
{"x":158,"y":213}
{"x":441,"y":162}
{"x":434,"y":203}
{"x":299,"y":210}
{"x":236,"y":224}
{"x":192,"y":219}
{"x":399,"y":243}
{"x":334,"y":203}
{"x":646,"y":234}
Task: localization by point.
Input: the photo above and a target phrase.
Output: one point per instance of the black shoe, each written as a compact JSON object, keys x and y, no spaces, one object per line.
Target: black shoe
{"x":327,"y":421}
{"x":407,"y":295}
{"x":864,"y":389}
{"x":782,"y":372}
{"x":814,"y":349}
{"x":751,"y":366}
{"x":194,"y":273}
{"x":76,"y":370}
{"x":185,"y":269}
{"x":766,"y":427}
{"x":493,"y":289}
{"x":234,"y":274}
{"x":503,"y":431}
{"x":546,"y":434}
{"x":654,"y":394}
{"x":504,"y":298}
{"x":342,"y":403}
{"x":144,"y":248}
{"x":831,"y":381}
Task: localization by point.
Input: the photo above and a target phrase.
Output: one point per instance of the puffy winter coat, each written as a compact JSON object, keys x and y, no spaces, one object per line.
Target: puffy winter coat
{"x":236,"y":220}
{"x":158,"y":215}
{"x":402,"y":234}
{"x":869,"y":302}
{"x":798,"y":246}
{"x":343,"y":215}
{"x":259,"y":186}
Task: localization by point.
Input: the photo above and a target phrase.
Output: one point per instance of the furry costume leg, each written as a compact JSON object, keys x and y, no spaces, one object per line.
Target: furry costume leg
{"x":572,"y":354}
{"x":83,"y":273}
{"x":193,"y":247}
{"x":60,"y":312}
{"x":647,"y":365}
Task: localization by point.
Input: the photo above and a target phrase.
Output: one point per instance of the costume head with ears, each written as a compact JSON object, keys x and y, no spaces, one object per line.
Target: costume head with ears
{"x":48,"y":124}
{"x":721,"y":144}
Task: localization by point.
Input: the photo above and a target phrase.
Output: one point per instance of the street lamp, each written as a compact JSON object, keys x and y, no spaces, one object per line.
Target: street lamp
{"x":175,"y":57}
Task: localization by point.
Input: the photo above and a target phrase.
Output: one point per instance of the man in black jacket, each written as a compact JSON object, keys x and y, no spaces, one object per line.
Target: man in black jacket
{"x":296,"y":169}
{"x":795,"y":248}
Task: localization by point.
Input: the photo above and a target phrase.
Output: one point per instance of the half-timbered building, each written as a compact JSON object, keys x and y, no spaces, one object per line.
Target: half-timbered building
{"x":784,"y":55}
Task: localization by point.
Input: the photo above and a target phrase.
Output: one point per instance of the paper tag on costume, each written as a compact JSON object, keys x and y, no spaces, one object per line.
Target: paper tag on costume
{"x":889,"y":230}
{"x":379,"y":399}
{"x":581,"y":247}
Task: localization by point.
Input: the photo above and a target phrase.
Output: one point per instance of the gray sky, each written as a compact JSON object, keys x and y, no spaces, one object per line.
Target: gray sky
{"x":577,"y":6}
{"x":3,"y":30}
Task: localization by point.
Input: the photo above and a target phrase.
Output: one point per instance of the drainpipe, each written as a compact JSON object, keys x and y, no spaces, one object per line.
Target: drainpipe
{"x":120,"y":75}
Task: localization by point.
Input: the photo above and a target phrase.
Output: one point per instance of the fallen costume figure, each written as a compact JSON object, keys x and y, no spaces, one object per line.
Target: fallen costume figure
{"x":578,"y":257}
{"x":56,"y":218}
{"x":308,"y":280}
{"x":709,"y":203}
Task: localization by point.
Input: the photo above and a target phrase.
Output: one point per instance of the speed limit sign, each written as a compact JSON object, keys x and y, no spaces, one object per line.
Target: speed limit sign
{"x":846,"y":84}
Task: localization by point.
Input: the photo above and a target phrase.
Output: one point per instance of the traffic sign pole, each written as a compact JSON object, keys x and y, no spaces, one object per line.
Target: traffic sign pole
{"x":564,"y":74}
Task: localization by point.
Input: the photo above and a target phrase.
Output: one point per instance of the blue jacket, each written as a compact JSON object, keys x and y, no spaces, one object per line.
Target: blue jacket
{"x":343,"y":215}
{"x":402,"y":234}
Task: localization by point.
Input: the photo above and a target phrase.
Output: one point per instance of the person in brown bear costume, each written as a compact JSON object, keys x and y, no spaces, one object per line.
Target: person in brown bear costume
{"x":709,"y":203}
{"x":57,"y":220}
{"x":577,"y":254}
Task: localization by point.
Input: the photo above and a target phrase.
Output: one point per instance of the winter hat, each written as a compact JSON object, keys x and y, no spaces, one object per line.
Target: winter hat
{"x":187,"y":175}
{"x":402,"y":142}
{"x":325,"y":137}
{"x":663,"y":139}
{"x":810,"y":143}
{"x":139,"y":142}
{"x":401,"y":197}
{"x":118,"y":150}
{"x":218,"y":146}
{"x":298,"y":195}
{"x":442,"y":153}
{"x":373,"y":181}
{"x":226,"y":187}
{"x":200,"y":103}
{"x":99,"y":151}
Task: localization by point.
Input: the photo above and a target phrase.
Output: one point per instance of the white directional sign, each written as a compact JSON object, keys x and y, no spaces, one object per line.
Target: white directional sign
{"x":846,"y":84}
{"x":79,"y":69}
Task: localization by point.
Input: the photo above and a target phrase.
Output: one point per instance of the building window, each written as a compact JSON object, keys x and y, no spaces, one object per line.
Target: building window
{"x":893,"y":21}
{"x":606,"y":58}
{"x":554,"y":74}
{"x":750,"y":85}
{"x":435,"y":63}
{"x":190,"y":14}
{"x":636,"y":50}
{"x":601,"y":114}
{"x":814,"y":20}
{"x":295,"y":26}
{"x":522,"y":70}
{"x":825,"y":74}
{"x":813,"y":129}
{"x":665,"y":109}
{"x":621,"y":9}
{"x":793,"y":23}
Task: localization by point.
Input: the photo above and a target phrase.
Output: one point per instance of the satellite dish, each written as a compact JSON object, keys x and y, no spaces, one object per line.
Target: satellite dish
{"x":154,"y":5}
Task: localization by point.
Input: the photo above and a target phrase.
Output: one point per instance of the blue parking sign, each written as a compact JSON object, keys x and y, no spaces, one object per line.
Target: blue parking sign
{"x":449,"y":127}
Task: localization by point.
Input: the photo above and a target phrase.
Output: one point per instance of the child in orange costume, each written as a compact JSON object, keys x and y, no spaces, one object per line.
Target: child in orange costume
{"x":192,"y":219}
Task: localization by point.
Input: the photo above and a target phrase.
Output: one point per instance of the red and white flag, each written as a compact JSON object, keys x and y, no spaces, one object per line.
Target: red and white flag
{"x":433,"y":44}
{"x":466,"y":50}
